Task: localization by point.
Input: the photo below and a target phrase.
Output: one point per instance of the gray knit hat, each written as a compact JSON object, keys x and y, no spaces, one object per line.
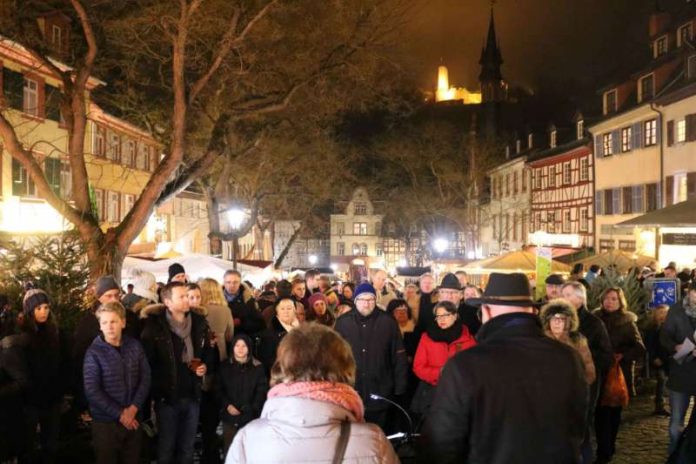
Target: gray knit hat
{"x":33,"y":298}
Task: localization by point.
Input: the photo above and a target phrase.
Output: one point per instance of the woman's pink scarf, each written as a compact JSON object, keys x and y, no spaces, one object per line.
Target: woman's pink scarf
{"x":340,"y":394}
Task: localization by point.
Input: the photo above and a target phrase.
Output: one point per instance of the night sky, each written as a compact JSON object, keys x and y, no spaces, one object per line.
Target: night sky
{"x":578,"y":45}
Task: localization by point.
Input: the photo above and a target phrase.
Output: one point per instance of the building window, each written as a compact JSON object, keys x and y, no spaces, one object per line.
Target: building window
{"x":114,"y":150}
{"x":646,"y":88}
{"x":359,"y":228}
{"x":340,"y":228}
{"x":128,"y":203}
{"x":65,"y":180}
{"x":537,"y":178}
{"x":99,"y":200}
{"x":514,"y":227}
{"x":523,"y":174}
{"x":685,"y":34}
{"x":340,"y":249}
{"x":507,"y":185}
{"x":552,"y":176}
{"x":584,"y":169}
{"x":567,"y":176}
{"x":553,"y":139}
{"x":100,"y":141}
{"x":627,"y":245}
{"x":363,"y":249}
{"x":626,"y":133}
{"x":22,"y":185}
{"x":523,"y":231}
{"x":660,"y":46}
{"x":650,"y":132}
{"x":584,"y":220}
{"x":360,"y":209}
{"x":530,"y":140}
{"x":551,"y":222}
{"x":627,"y":200}
{"x":637,"y":201}
{"x":52,"y":167}
{"x":56,"y":37}
{"x":141,"y":162}
{"x":114,"y":201}
{"x":566,"y":221}
{"x":580,"y":129}
{"x":681,"y":130}
{"x":518,"y":146}
{"x":128,"y":158}
{"x":514,"y":182}
{"x":610,"y":102}
{"x":31,"y":97}
{"x":608,"y":144}
{"x":495,"y":226}
{"x":378,"y":249}
{"x":651,"y":197}
{"x":356,"y":249}
{"x":153,"y":160}
{"x":606,"y":245}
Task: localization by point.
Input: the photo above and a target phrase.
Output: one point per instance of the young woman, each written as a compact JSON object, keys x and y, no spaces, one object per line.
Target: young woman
{"x":242,"y":386}
{"x":319,"y":310}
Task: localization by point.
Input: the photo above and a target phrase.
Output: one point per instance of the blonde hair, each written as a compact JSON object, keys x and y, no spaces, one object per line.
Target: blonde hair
{"x":111,"y":307}
{"x":312,"y":353}
{"x":211,"y":292}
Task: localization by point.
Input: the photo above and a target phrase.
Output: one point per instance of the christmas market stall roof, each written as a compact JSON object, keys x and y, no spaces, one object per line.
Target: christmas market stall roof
{"x":680,"y":215}
{"x":197,"y":266}
{"x":514,"y":261}
{"x":621,"y":260}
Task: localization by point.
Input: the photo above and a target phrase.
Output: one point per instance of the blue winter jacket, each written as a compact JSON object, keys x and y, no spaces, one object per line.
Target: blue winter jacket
{"x":115,"y":378}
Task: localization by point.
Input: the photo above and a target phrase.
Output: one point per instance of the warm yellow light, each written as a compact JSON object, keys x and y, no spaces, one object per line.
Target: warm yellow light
{"x":21,"y":217}
{"x":446,"y":93}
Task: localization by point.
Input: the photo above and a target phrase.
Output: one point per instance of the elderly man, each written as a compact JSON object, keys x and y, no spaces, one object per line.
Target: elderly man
{"x":423,"y":302}
{"x":451,"y":290}
{"x":379,"y":282}
{"x":517,"y":396}
{"x":382,"y":366}
{"x":553,"y":285}
{"x":600,"y":346}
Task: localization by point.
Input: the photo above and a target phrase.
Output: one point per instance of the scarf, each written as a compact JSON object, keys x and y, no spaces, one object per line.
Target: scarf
{"x":340,"y":394}
{"x":183,"y":331}
{"x":690,"y":307}
{"x":448,"y":335}
{"x":288,"y":327}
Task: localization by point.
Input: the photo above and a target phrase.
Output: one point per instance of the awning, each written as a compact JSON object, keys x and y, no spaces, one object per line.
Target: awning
{"x":680,"y":215}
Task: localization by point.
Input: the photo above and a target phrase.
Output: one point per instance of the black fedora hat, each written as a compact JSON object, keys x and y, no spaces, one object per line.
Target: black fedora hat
{"x":506,"y":289}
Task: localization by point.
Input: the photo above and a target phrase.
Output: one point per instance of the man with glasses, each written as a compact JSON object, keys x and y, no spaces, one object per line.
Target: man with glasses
{"x":382,"y":366}
{"x":450,"y":290}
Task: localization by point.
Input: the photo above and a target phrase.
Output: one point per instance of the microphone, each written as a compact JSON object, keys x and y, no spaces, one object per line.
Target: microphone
{"x":376,"y":397}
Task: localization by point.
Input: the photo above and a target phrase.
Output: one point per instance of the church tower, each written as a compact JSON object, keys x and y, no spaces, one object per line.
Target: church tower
{"x":493,"y":87}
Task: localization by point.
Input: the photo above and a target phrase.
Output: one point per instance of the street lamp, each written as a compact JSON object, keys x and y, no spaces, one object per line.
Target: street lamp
{"x":313,"y":259}
{"x":236,"y":217}
{"x":440,"y":245}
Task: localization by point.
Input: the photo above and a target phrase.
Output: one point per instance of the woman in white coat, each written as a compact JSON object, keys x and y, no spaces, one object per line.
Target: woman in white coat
{"x":312,"y":413}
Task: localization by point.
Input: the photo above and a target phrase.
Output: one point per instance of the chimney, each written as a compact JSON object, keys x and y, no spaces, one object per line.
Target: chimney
{"x":658,"y":22}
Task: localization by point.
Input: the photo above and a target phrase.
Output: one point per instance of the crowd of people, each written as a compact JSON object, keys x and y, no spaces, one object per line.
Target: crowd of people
{"x":292,"y":371}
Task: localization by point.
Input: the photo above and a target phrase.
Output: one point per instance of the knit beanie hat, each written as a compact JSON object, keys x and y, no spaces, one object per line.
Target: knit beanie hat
{"x":144,"y":284}
{"x":364,"y":287}
{"x":32,"y":299}
{"x":104,"y":284}
{"x":174,"y":270}
{"x":450,"y":281}
{"x":316,"y":297}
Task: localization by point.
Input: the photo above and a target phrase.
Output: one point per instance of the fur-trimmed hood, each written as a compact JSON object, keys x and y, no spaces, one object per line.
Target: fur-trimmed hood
{"x":159,"y":308}
{"x":559,"y":306}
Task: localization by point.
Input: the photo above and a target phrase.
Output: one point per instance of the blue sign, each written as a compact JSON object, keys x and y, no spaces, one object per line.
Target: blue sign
{"x":664,"y":291}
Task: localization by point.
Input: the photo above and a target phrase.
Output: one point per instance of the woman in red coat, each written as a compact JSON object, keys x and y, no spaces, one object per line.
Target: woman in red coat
{"x":442,"y":340}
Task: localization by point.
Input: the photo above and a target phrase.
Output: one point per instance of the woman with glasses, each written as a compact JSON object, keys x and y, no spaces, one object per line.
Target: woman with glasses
{"x":560,"y":322}
{"x":443,"y":339}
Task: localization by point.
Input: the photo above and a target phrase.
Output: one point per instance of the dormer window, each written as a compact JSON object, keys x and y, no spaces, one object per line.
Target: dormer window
{"x":610,"y":101}
{"x":580,"y":129}
{"x":56,"y":36}
{"x":518,"y":146}
{"x":684,"y":34}
{"x":530,"y":140}
{"x":660,"y":46}
{"x":507,"y":151}
{"x":646,"y":88}
{"x":553,"y":138}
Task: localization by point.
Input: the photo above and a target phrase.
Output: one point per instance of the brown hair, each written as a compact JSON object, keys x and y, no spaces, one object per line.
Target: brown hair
{"x":166,"y":292}
{"x":312,"y":353}
{"x":112,"y":307}
{"x":623,"y":306}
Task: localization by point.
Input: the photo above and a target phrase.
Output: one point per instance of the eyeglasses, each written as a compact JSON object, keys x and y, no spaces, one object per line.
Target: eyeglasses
{"x":559,"y":317}
{"x":366,"y":300}
{"x":443,"y":316}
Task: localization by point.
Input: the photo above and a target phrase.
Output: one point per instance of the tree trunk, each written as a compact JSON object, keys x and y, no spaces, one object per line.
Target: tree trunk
{"x":105,"y":256}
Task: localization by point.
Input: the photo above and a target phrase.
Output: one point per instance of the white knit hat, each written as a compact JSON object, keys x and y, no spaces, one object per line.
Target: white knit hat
{"x":144,"y":284}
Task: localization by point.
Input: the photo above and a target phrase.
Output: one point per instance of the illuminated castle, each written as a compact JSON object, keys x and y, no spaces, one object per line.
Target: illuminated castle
{"x":493,"y":86}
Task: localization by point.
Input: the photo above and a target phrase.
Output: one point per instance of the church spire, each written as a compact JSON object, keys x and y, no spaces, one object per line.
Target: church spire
{"x":491,"y":77}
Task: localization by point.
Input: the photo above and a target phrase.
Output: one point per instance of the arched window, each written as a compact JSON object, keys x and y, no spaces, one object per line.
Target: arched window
{"x":363,"y":249}
{"x":356,"y":249}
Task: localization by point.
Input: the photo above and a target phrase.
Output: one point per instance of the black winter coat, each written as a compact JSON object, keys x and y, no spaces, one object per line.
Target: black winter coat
{"x":43,"y":362}
{"x":243,"y":386}
{"x":380,"y":357}
{"x":156,"y":339}
{"x":245,"y":313}
{"x":268,"y":344}
{"x":623,"y":334}
{"x":597,"y":337}
{"x":516,"y":397}
{"x":677,"y":327}
{"x":13,"y":380}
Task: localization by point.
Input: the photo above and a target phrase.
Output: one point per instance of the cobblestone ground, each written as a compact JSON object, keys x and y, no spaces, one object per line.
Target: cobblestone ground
{"x":643,"y":437}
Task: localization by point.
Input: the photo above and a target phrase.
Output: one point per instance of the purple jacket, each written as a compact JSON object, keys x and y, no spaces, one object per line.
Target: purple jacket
{"x":114,"y":379}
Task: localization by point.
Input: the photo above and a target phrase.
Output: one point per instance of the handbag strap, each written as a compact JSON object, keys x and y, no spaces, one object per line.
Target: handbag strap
{"x":342,"y":442}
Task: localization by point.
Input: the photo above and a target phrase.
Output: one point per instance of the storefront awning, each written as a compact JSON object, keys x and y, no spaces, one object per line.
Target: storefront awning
{"x":680,"y":215}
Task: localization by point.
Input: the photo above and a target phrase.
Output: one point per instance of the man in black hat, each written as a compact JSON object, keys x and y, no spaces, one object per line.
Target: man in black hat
{"x":451,"y":290}
{"x":177,"y":273}
{"x":517,"y":396}
{"x":553,"y":285}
